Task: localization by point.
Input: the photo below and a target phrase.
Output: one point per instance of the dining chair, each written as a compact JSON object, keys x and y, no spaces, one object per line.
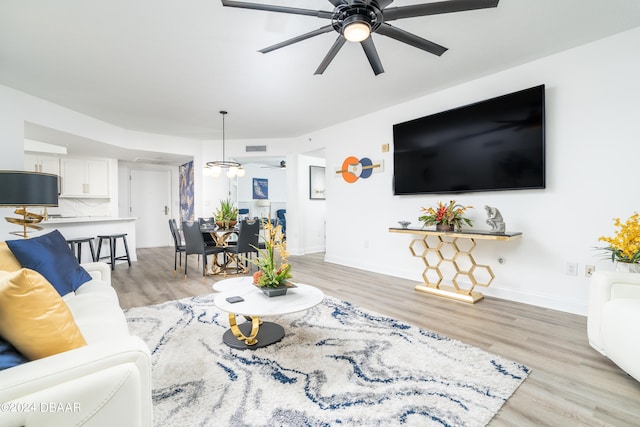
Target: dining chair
{"x":178,"y":244}
{"x":209,"y":223}
{"x":195,"y":244}
{"x":281,"y":215}
{"x":247,"y":242}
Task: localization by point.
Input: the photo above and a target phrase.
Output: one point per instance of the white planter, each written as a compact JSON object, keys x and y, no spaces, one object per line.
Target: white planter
{"x":627,"y":267}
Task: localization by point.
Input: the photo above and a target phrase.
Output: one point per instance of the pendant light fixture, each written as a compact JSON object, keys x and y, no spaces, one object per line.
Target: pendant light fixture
{"x":215,"y":168}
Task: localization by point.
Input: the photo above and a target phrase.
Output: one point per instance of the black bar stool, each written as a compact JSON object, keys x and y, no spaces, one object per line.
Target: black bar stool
{"x":112,"y":248}
{"x":77,"y":243}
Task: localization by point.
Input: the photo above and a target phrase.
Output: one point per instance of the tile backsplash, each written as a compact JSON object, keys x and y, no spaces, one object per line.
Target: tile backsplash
{"x":69,"y":207}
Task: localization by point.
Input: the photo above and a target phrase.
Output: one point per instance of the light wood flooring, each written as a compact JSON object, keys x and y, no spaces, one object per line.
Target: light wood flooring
{"x":570,"y":384}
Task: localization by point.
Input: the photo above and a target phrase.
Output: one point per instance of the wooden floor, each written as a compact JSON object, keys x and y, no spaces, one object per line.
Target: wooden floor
{"x":570,"y":383}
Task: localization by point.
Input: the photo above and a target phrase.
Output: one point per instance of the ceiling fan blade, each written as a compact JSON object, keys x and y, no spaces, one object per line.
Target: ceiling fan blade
{"x":331,"y":54}
{"x":372,"y":55}
{"x":411,"y":39}
{"x":384,"y":3}
{"x":297,"y":39}
{"x":337,"y":3}
{"x":274,"y":8}
{"x":436,"y":8}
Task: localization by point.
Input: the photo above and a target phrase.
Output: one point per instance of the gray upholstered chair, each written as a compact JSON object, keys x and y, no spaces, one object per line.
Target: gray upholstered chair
{"x":247,"y":242}
{"x":195,"y":244}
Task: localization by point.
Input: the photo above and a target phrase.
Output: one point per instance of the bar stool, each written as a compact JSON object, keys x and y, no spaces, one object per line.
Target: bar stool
{"x":112,"y":238}
{"x":77,"y":243}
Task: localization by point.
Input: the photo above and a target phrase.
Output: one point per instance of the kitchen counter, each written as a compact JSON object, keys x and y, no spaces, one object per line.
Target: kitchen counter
{"x":80,"y":219}
{"x":92,"y":226}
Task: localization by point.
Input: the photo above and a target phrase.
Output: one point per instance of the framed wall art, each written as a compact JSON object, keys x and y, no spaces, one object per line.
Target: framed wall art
{"x":260,"y":188}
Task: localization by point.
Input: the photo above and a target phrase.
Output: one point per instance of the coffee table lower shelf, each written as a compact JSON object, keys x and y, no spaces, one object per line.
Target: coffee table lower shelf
{"x":243,"y":337}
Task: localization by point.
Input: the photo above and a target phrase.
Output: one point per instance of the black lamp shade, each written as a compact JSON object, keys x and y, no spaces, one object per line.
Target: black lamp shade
{"x":19,"y":188}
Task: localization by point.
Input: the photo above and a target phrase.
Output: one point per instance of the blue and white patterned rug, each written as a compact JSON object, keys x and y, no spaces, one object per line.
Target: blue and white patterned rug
{"x":337,"y":365}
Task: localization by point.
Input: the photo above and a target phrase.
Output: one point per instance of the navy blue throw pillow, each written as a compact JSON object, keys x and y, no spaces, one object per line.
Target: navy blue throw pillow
{"x":50,"y":256}
{"x":9,"y":356}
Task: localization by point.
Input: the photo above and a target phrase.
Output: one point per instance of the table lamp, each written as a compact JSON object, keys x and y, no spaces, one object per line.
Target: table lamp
{"x":24,"y":189}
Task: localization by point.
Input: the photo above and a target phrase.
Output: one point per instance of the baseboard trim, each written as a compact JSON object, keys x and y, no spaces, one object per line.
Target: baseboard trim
{"x":531,"y":298}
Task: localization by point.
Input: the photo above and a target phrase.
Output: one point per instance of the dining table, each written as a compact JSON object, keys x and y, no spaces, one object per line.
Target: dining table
{"x":222,"y":237}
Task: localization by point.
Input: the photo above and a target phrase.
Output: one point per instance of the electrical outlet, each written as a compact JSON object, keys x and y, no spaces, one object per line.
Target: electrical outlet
{"x":588,"y":270}
{"x":572,"y":268}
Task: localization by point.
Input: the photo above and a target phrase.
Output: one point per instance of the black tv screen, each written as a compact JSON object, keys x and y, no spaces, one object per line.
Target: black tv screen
{"x":496,"y":144}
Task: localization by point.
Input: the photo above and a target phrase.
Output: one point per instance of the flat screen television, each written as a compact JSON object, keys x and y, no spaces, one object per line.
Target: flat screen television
{"x":495,"y":144}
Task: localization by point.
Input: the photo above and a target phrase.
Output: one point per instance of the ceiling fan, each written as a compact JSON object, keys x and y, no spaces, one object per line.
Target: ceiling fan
{"x":282,"y":165}
{"x":355,"y":20}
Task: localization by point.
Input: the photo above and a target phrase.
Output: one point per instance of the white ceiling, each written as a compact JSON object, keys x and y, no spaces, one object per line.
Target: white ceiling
{"x":168,"y":67}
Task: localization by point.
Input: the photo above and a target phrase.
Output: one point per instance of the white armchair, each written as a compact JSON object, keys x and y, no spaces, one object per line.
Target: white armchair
{"x":613,"y":323}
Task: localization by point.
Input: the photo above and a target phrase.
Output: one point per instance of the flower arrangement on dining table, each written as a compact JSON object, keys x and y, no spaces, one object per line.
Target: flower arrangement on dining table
{"x":274,"y":269}
{"x":624,"y":245}
{"x":445,"y":215}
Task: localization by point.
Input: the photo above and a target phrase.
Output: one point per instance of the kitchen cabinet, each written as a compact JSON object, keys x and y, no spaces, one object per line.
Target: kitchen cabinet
{"x":44,"y":164}
{"x":84,"y":177}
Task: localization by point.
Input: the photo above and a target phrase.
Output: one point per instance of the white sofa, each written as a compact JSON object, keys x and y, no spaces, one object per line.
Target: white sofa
{"x":613,"y":322}
{"x":105,"y":383}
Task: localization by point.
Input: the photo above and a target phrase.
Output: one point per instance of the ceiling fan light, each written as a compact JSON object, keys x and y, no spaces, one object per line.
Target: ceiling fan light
{"x":241,"y":172}
{"x":216,"y":170}
{"x":357,"y":31}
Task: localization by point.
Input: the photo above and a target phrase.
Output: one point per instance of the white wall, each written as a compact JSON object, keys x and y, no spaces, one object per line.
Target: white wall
{"x":593,"y":146}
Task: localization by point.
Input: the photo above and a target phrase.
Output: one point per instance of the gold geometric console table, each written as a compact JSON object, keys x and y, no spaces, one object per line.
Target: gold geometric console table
{"x":437,"y":248}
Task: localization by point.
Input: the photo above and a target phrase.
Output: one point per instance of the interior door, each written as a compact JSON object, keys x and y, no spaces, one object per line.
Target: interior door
{"x":150,"y":192}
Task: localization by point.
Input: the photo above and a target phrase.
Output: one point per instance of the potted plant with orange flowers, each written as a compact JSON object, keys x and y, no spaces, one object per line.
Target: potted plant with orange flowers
{"x":274,"y":269}
{"x":445,"y":217}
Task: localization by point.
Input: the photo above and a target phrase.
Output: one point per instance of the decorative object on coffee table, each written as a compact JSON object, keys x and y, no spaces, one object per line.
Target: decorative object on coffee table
{"x":445,"y":217}
{"x":494,"y":219}
{"x":275,"y":291}
{"x":624,"y":246}
{"x":274,"y":270}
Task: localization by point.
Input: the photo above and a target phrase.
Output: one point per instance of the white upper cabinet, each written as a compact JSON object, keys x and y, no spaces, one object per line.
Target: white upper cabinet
{"x":85,"y":178}
{"x":39,"y":163}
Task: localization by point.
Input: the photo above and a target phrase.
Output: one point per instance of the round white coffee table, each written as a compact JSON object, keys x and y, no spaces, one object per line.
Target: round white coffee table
{"x":256,"y":333}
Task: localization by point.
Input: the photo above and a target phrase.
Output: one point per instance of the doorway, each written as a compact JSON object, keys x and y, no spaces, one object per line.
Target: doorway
{"x":150,"y":202}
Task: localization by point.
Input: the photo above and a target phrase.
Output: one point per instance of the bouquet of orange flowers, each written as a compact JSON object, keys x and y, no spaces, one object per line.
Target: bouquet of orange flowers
{"x":450,"y":214}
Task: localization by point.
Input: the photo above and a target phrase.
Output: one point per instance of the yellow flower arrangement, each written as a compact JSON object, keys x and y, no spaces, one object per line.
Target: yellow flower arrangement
{"x":272,"y":273}
{"x":625,"y":244}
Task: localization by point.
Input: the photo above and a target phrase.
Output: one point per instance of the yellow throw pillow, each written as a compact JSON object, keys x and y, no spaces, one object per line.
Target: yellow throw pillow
{"x":33,"y":316}
{"x":8,"y":261}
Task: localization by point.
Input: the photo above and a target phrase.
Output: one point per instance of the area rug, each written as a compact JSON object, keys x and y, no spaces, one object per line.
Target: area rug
{"x":337,"y":365}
